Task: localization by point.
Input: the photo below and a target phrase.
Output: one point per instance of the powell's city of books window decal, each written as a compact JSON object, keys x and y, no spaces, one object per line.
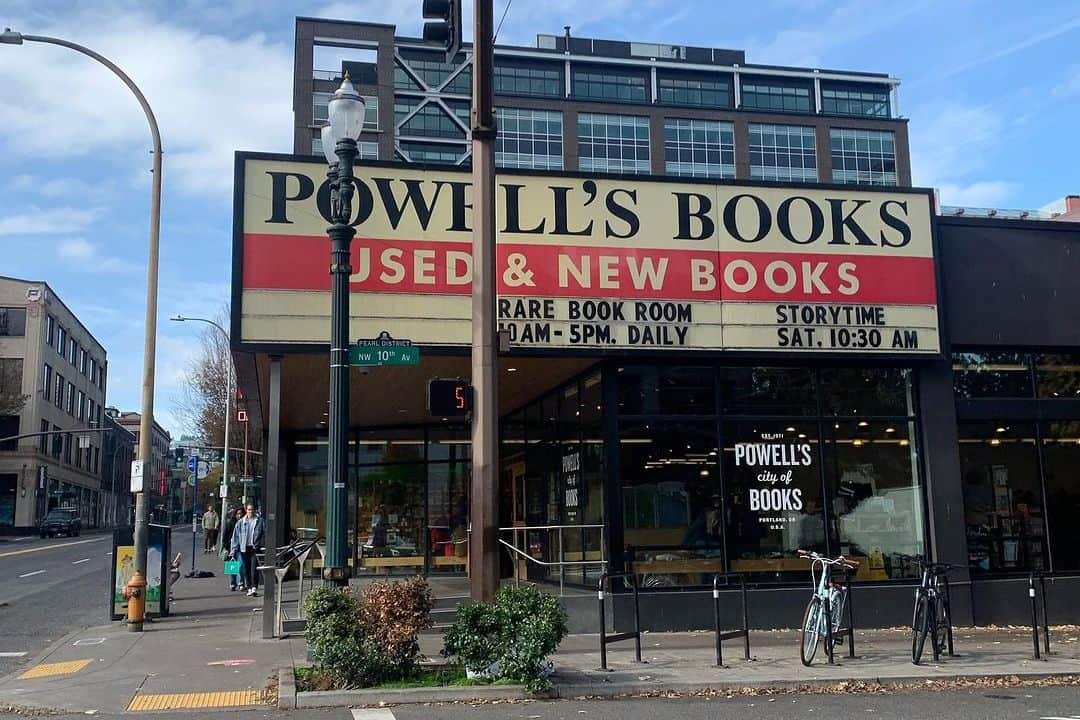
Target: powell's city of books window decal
{"x":612,"y":264}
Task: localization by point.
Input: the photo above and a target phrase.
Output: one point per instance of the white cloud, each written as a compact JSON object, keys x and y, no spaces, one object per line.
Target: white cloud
{"x":980,"y":194}
{"x":950,"y":141}
{"x":211,"y":95}
{"x":86,"y":254}
{"x":1071,"y":85}
{"x":36,"y":220}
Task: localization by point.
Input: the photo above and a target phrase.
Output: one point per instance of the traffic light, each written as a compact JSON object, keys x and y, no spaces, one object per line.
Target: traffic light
{"x":446,"y":30}
{"x":179,"y":455}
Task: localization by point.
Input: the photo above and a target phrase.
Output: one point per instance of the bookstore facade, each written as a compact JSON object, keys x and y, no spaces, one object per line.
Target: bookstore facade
{"x":700,"y":378}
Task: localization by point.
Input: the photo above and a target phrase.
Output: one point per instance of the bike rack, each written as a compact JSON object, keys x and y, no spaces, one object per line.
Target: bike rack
{"x":849,"y":630}
{"x":617,"y":637}
{"x":721,"y":636}
{"x":1035,"y":614}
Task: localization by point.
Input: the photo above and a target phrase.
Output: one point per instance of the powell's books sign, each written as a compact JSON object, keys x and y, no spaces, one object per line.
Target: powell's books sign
{"x":588,"y":263}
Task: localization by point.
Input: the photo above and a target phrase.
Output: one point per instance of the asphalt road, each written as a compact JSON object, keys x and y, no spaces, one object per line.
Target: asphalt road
{"x":1047,"y":703}
{"x":49,"y":588}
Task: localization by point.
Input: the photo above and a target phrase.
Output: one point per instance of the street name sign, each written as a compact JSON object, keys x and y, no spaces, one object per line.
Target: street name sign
{"x":383,"y":350}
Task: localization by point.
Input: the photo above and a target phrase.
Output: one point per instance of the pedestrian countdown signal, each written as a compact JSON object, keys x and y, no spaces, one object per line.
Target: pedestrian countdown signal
{"x":449,"y":398}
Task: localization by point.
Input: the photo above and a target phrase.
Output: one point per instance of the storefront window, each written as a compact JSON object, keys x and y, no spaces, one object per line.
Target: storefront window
{"x":1058,"y":376}
{"x":672,"y":503}
{"x":307,"y":495}
{"x":1061,"y":463}
{"x":876,"y":498}
{"x":1003,"y":504}
{"x":774,"y":507}
{"x":992,"y":375}
{"x":391,"y":517}
{"x":870,"y":391}
{"x":768,"y":391}
{"x":448,"y":515}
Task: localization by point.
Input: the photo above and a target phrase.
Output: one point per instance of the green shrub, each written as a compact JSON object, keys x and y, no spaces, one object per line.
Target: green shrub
{"x":370,"y":638}
{"x":510,"y":638}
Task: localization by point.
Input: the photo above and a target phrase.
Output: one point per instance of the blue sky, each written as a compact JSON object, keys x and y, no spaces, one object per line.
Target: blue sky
{"x":992,"y":90}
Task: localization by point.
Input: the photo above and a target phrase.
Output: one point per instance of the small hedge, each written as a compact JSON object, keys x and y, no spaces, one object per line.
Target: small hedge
{"x":510,"y":638}
{"x":365,"y":639}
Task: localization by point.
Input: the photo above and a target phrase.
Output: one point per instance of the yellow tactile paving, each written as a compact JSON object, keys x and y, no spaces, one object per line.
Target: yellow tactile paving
{"x":190,"y":701}
{"x":56,"y":668}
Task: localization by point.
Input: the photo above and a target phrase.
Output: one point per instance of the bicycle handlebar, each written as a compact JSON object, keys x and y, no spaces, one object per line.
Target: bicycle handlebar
{"x":847,"y":562}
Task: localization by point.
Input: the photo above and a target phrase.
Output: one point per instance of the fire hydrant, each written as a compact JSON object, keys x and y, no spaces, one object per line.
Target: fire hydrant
{"x":135,"y":593}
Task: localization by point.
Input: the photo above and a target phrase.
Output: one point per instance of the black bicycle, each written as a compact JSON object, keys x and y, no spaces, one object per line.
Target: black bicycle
{"x":933,"y":615}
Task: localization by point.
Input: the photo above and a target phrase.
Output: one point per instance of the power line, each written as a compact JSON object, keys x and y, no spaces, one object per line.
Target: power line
{"x":499,"y":27}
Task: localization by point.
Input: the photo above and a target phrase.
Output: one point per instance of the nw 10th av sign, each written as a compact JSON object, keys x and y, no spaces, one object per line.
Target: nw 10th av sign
{"x":368,"y":355}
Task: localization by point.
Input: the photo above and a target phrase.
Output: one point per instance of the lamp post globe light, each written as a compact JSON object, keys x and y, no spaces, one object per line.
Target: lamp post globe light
{"x":230,"y":383}
{"x":346,"y":115}
{"x":136,"y":608}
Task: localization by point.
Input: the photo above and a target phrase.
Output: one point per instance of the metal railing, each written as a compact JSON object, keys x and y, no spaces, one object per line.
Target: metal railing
{"x":295,"y":552}
{"x":618,"y":637}
{"x":561,"y":563}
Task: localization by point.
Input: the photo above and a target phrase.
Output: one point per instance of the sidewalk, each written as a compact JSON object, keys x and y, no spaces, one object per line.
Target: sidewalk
{"x":209,"y":652}
{"x":210,"y":644}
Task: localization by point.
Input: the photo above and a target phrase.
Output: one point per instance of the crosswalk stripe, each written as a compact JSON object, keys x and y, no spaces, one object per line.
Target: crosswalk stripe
{"x":372,"y":714}
{"x":12,"y":654}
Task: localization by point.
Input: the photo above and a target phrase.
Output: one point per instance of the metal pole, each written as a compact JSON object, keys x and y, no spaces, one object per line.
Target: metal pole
{"x":716,"y":621}
{"x":1046,"y":618}
{"x":229,"y":394}
{"x":146,"y":424}
{"x":745,"y":619}
{"x":483,"y":551}
{"x":603,"y":628}
{"x":1034,"y":615}
{"x":335,"y":571}
{"x":194,"y":513}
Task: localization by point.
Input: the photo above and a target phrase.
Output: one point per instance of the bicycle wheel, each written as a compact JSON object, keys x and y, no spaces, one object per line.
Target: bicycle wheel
{"x":944,"y":620}
{"x":811,"y":627}
{"x":920,"y":627}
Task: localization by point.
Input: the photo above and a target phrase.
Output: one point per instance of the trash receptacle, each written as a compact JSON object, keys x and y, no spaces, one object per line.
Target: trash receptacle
{"x":158,"y":550}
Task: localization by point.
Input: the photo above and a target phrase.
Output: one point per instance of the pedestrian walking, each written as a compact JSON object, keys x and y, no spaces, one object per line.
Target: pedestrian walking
{"x":211,"y":523}
{"x":231,"y":518}
{"x":247,"y":540}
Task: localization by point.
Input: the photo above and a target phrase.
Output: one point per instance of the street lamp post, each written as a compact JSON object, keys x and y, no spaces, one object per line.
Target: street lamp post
{"x":228,"y":411}
{"x":346,"y":115}
{"x":146,"y":421}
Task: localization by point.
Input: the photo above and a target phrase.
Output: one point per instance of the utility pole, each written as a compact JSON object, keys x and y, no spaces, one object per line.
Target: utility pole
{"x":483,"y":542}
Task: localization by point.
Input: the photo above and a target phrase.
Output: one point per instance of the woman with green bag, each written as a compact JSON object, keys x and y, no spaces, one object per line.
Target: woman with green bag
{"x":232,"y":563}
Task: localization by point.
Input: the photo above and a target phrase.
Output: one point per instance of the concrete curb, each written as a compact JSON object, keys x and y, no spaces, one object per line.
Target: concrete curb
{"x":286,"y":697}
{"x":601,"y":689}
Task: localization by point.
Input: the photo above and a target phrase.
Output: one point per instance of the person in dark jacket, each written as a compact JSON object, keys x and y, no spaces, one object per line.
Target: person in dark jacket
{"x":247,"y":540}
{"x":231,"y":518}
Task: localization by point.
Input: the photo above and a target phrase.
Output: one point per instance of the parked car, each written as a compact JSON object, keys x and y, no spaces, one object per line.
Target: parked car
{"x":61,"y":522}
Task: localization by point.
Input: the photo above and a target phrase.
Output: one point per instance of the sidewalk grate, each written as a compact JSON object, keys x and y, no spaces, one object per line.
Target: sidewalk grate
{"x":189,"y":701}
{"x":57,"y":668}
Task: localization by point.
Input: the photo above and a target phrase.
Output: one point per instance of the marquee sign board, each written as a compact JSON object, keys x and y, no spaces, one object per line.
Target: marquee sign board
{"x":592,"y":264}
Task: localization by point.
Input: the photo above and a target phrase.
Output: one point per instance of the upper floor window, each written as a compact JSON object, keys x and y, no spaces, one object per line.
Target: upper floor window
{"x":58,"y":391}
{"x":432,"y":120}
{"x":46,"y":382}
{"x":601,"y":85}
{"x":776,"y":97}
{"x":863,"y":157}
{"x":93,"y":371}
{"x":320,"y":113}
{"x":50,"y":329}
{"x":82,"y":361}
{"x":101,"y":379}
{"x":69,"y":399}
{"x":515,"y":80}
{"x":699,"y":92}
{"x":73,"y":352}
{"x":365,"y":150}
{"x":80,"y":403}
{"x":425,"y":152}
{"x":61,"y":340}
{"x":613,"y":143}
{"x":529,"y":139}
{"x":861,"y":100}
{"x":432,"y":70}
{"x":782,"y":152}
{"x":992,"y":375}
{"x":699,"y":148}
{"x":12,"y":322}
